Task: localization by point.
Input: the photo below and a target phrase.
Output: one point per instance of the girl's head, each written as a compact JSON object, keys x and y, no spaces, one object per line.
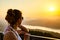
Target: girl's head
{"x":14,"y":16}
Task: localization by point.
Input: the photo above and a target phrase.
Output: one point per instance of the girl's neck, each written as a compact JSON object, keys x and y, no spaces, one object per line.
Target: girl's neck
{"x":14,"y":27}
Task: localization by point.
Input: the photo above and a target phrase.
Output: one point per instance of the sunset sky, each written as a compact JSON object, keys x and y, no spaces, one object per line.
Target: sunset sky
{"x":32,"y":8}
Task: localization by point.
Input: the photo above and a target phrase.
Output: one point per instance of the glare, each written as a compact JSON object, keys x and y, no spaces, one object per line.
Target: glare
{"x":51,"y":9}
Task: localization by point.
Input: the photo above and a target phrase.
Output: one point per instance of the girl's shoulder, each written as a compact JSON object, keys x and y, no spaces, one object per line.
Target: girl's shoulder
{"x":10,"y":36}
{"x":6,"y":30}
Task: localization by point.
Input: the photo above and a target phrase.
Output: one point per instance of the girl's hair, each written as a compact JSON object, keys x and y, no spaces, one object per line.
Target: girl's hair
{"x":13,"y":15}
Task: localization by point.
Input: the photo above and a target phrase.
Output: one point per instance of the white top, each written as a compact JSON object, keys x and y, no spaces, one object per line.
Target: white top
{"x":15,"y":32}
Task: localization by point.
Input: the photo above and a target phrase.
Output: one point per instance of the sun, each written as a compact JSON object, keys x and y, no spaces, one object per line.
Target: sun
{"x":51,"y":9}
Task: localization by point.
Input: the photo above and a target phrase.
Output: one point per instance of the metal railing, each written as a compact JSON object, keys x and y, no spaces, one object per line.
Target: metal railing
{"x":1,"y":36}
{"x":43,"y":37}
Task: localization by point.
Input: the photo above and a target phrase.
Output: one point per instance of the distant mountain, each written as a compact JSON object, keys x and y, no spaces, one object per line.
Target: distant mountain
{"x":44,"y":22}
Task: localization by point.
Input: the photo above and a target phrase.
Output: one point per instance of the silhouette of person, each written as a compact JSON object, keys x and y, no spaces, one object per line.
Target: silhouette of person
{"x":14,"y":19}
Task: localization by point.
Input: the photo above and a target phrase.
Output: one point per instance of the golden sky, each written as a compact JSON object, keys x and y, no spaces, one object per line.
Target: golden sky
{"x":32,"y":8}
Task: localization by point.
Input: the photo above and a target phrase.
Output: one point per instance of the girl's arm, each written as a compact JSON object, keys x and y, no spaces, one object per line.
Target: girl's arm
{"x":23,"y":28}
{"x":24,"y":31}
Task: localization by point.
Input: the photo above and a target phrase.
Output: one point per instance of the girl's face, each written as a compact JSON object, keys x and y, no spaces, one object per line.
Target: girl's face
{"x":19,"y":21}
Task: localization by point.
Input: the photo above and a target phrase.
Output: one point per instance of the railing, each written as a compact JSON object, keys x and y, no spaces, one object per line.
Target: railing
{"x":1,"y":36}
{"x":35,"y":37}
{"x":41,"y":37}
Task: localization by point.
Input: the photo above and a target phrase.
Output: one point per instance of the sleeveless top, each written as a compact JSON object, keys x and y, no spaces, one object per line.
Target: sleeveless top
{"x":9,"y":28}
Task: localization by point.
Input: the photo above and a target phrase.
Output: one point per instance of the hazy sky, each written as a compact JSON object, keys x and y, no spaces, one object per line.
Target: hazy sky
{"x":32,"y":8}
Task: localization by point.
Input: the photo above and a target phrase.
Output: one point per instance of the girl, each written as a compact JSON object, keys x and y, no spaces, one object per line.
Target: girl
{"x":14,"y":18}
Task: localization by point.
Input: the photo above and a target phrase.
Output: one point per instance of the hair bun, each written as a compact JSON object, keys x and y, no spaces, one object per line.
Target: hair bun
{"x":10,"y":12}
